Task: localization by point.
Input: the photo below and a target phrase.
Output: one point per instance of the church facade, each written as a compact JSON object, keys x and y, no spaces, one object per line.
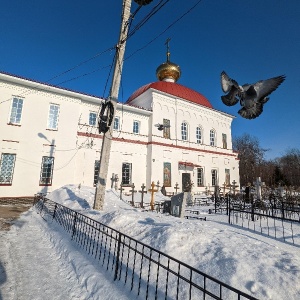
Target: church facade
{"x":165,"y":132}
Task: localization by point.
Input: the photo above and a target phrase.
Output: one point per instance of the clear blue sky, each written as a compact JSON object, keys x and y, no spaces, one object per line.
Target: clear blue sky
{"x":249,"y":39}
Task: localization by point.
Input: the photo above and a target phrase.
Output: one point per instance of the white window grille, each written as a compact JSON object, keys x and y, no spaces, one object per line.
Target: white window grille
{"x":214,"y":177}
{"x":96,"y":171}
{"x":16,"y":111}
{"x":53,"y":116}
{"x":117,"y":123}
{"x":200,"y":181}
{"x":126,"y":173}
{"x":46,"y":170}
{"x":7,"y":165}
{"x":199,"y":135}
{"x":184,"y":131}
{"x":136,"y":126}
{"x":212,"y":135}
{"x":92,"y":118}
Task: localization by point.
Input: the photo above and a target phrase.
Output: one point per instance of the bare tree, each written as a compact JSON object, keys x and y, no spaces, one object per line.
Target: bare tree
{"x":251,"y":157}
{"x":289,"y":165}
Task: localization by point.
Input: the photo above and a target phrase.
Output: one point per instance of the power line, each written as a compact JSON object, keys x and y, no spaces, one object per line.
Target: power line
{"x":166,"y":29}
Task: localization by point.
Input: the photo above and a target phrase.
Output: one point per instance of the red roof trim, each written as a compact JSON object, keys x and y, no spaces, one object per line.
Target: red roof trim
{"x":174,"y":89}
{"x":98,"y":136}
{"x":188,"y":164}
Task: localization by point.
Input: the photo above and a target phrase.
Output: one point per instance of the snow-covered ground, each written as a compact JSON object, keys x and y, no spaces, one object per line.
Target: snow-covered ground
{"x":39,"y":261}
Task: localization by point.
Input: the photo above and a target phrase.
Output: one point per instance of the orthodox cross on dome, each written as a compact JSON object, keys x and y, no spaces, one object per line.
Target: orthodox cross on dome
{"x":168,"y":48}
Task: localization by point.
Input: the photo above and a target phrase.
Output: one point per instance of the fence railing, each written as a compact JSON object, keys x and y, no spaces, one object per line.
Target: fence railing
{"x":147,"y":272}
{"x":286,"y":229}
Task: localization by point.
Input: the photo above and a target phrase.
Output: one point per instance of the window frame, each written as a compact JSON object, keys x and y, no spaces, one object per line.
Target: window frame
{"x":166,"y":129}
{"x":46,"y":180}
{"x":94,"y":123}
{"x":200,"y":179}
{"x":96,"y":171}
{"x":227,"y":177}
{"x":11,"y":170}
{"x":199,"y":132}
{"x":116,"y":123}
{"x":15,"y":121}
{"x":184,"y":131}
{"x":126,"y":177}
{"x":136,"y":129}
{"x":224,"y":140}
{"x":212,"y":138}
{"x":214,"y":177}
{"x":49,"y":125}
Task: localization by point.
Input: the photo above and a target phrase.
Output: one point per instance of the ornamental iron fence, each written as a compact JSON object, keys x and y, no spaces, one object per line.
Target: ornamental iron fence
{"x":147,"y":272}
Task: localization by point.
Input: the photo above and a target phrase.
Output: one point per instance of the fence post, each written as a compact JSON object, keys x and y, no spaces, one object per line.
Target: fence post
{"x":252,"y":208}
{"x":74,"y":225}
{"x":216,"y":205}
{"x":54,"y":211}
{"x":282,"y":208}
{"x":118,"y":256}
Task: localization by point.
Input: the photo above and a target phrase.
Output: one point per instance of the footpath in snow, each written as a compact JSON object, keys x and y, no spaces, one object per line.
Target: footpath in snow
{"x":38,"y":260}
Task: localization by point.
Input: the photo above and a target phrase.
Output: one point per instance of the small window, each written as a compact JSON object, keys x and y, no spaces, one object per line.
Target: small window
{"x":117,"y":123}
{"x":126,"y":173}
{"x":212,"y":135}
{"x":53,"y":116}
{"x":200,"y":177}
{"x":227,"y":177}
{"x":214,"y":177}
{"x":16,"y":111}
{"x":136,"y":126}
{"x":92,"y":118}
{"x":224,"y":140}
{"x":199,"y":135}
{"x":166,"y":132}
{"x":184,"y":131}
{"x":96,"y":171}
{"x":7,"y":168}
{"x":47,"y":170}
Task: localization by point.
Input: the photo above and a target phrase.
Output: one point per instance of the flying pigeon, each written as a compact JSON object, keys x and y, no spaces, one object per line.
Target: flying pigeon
{"x":252,"y":97}
{"x":161,"y":126}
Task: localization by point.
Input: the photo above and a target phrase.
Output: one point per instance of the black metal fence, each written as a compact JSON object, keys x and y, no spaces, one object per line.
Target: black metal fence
{"x":147,"y":272}
{"x":272,"y":224}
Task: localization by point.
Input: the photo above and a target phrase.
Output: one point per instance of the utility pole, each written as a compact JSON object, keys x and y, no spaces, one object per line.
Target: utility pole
{"x":114,"y":93}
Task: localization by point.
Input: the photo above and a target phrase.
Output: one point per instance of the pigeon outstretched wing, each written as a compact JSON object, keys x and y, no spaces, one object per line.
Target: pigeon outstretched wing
{"x":263,"y":88}
{"x":231,"y":87}
{"x":254,"y":96}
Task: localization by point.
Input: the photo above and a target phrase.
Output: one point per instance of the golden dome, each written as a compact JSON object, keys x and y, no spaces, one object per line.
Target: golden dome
{"x":168,"y":71}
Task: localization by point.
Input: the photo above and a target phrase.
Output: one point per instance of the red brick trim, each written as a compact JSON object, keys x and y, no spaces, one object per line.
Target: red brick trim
{"x":10,"y":141}
{"x":157,"y":144}
{"x":12,"y":124}
{"x":5,"y":184}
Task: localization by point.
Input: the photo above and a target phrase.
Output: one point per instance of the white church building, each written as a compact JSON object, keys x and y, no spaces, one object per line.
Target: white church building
{"x":165,"y":132}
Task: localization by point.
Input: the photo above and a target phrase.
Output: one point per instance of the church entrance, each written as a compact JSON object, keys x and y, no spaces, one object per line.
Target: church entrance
{"x":186,"y":179}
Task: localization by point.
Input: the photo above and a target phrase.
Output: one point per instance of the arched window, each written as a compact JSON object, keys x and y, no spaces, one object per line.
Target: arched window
{"x":212,"y":136}
{"x":199,"y":135}
{"x":184,"y":131}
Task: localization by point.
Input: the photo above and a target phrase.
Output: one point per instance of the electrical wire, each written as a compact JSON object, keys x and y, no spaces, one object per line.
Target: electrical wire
{"x":166,"y":29}
{"x":110,"y":49}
